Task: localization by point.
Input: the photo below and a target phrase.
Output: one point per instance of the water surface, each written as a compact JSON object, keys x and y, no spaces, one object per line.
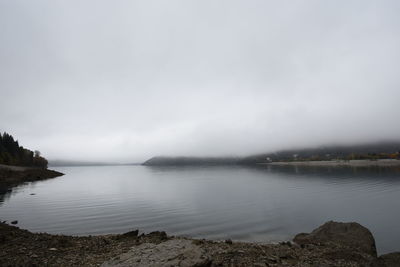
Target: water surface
{"x":260,"y":204}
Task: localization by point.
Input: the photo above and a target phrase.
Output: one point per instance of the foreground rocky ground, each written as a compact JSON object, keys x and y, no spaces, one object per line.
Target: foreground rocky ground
{"x":332,"y":244}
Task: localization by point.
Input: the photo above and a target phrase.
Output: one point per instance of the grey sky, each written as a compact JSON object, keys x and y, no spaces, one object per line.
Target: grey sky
{"x":126,"y":80}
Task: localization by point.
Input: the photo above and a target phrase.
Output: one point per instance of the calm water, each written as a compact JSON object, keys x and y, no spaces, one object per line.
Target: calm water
{"x":251,"y":204}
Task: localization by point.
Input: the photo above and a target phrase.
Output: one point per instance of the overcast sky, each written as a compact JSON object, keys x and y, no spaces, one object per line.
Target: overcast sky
{"x":126,"y":80}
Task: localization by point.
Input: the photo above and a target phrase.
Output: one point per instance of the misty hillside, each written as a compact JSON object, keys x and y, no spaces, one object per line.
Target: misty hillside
{"x":187,"y":161}
{"x":74,"y":163}
{"x":66,"y":163}
{"x":367,"y":151}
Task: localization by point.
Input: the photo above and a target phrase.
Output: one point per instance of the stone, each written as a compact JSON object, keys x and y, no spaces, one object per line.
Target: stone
{"x":134,"y":233}
{"x":14,"y":222}
{"x":351,"y":235}
{"x":389,"y":260}
{"x":175,"y":252}
{"x":157,"y":235}
{"x":228,"y":241}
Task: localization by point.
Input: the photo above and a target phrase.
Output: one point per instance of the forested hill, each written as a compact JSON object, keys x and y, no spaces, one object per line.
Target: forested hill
{"x":372,"y":151}
{"x":11,"y":153}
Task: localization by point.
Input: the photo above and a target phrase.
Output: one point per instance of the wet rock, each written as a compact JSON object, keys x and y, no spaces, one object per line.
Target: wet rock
{"x":352,"y":235}
{"x":175,"y":252}
{"x":14,"y":222}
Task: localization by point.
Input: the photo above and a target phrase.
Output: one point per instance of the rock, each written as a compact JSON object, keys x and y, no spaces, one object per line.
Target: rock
{"x":158,"y":235}
{"x":134,"y":233}
{"x":389,"y":260}
{"x":228,"y":241}
{"x":352,"y":235}
{"x":175,"y":252}
{"x":287,"y":243}
{"x":14,"y":222}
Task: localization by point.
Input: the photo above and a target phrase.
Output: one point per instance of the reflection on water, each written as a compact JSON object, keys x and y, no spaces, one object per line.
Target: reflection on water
{"x":4,"y":194}
{"x":261,"y":203}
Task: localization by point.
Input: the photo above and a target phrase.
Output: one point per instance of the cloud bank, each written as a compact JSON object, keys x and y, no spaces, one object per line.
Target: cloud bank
{"x":126,"y":80}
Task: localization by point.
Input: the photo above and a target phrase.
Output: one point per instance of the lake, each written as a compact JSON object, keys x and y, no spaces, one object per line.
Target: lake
{"x":262,"y":204}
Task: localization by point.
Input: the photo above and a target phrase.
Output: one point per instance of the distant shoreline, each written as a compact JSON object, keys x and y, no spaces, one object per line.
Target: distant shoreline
{"x":334,"y":163}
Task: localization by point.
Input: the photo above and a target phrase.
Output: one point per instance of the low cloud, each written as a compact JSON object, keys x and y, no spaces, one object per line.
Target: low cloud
{"x":124,"y":81}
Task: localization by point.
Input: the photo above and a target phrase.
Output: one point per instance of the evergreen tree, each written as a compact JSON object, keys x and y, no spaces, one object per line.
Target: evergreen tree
{"x":11,"y":153}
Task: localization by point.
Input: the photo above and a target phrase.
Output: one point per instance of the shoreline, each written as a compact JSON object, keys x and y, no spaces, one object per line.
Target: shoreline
{"x":11,"y":176}
{"x":339,"y":163}
{"x":332,"y":244}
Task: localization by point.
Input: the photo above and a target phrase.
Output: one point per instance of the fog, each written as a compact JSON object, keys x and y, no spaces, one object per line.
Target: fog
{"x":126,"y":80}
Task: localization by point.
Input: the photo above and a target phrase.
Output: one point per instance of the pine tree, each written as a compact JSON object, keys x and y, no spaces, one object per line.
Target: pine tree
{"x":11,"y":153}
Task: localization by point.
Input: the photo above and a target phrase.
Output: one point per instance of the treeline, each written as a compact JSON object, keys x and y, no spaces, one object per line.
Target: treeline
{"x":372,"y":151}
{"x":11,"y":153}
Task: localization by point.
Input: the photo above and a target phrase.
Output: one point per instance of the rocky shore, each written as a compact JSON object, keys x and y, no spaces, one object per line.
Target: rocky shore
{"x":332,"y":244}
{"x":14,"y":175}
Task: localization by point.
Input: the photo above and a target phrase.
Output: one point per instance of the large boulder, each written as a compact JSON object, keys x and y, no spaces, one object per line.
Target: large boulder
{"x":351,"y":235}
